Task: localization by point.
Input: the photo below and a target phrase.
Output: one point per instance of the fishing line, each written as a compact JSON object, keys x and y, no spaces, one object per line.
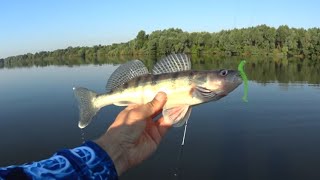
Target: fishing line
{"x":177,"y":173}
{"x":184,"y":132}
{"x":179,"y":162}
{"x":82,"y":135}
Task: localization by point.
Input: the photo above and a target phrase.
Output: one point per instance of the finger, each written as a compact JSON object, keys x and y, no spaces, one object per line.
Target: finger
{"x":131,"y":106}
{"x":154,"y":106}
{"x":163,"y":126}
{"x":156,"y":113}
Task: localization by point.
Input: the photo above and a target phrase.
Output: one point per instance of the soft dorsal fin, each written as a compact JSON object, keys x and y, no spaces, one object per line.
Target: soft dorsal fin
{"x":172,"y":63}
{"x":125,"y":72}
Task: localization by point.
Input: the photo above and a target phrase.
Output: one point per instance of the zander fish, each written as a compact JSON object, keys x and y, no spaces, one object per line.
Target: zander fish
{"x":131,"y":83}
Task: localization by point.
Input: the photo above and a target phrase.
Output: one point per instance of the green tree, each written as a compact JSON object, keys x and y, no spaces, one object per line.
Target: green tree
{"x":1,"y":63}
{"x":282,"y":34}
{"x":140,"y":39}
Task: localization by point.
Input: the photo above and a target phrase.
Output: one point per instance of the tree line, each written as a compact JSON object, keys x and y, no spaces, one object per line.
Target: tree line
{"x":282,"y":41}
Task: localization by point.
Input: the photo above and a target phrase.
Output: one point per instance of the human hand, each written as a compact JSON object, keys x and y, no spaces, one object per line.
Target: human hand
{"x":134,"y":135}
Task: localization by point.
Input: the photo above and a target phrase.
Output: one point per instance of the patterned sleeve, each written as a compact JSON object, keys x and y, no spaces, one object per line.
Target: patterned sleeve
{"x":88,"y":161}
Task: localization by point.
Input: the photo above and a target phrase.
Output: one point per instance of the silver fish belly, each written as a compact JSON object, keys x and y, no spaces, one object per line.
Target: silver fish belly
{"x":143,"y":89}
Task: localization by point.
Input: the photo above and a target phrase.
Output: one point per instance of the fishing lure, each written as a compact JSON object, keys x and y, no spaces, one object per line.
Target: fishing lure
{"x":245,"y":80}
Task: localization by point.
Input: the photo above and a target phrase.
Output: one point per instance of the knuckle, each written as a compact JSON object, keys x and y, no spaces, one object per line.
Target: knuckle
{"x":151,"y":107}
{"x":133,"y":114}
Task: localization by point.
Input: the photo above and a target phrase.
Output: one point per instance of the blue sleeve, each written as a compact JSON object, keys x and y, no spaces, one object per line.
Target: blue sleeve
{"x":88,"y":161}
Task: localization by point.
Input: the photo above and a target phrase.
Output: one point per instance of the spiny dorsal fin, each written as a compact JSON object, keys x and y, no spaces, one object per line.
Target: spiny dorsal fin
{"x":172,"y":63}
{"x":125,"y":72}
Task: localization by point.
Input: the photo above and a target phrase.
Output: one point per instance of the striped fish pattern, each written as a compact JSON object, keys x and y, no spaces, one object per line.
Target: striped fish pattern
{"x":131,"y":83}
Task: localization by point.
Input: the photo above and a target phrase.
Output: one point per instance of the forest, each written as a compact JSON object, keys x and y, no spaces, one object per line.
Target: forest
{"x":280,"y":42}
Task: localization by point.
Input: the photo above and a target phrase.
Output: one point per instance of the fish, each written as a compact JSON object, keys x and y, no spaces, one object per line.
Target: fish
{"x":131,"y":83}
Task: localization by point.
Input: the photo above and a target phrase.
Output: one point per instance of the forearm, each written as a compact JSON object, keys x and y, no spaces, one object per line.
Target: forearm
{"x":88,"y":161}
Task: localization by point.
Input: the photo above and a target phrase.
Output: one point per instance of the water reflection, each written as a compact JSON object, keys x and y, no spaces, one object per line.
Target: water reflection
{"x":259,"y":69}
{"x":273,"y":136}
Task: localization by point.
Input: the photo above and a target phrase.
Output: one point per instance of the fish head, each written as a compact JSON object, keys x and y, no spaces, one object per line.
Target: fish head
{"x":223,"y":82}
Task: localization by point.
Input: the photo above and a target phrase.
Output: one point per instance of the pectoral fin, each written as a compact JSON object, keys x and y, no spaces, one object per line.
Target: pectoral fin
{"x":177,"y":116}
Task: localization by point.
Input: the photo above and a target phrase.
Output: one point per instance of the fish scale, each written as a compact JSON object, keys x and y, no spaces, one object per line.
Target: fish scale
{"x":131,"y":83}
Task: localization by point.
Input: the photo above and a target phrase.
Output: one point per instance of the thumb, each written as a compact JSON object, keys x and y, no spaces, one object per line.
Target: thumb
{"x":155,"y":105}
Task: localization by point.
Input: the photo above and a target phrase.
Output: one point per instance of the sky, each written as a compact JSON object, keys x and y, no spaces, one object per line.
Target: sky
{"x":43,"y":25}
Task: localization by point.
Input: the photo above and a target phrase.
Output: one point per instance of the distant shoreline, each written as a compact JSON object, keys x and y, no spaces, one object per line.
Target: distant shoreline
{"x":278,"y":42}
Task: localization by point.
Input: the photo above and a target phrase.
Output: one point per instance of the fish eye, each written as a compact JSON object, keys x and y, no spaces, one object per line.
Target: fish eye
{"x":223,"y":72}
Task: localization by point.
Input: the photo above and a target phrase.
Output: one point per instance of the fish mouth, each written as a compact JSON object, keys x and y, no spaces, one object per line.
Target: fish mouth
{"x":237,"y":79}
{"x":232,"y":83}
{"x":234,"y":78}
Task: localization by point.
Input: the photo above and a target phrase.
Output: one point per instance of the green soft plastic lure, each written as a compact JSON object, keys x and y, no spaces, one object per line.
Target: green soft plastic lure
{"x":245,"y":80}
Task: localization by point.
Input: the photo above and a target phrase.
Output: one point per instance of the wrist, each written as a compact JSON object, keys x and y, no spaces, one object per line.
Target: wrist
{"x":115,"y":152}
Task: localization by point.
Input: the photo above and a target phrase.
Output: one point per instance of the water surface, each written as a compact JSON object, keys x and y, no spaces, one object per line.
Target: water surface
{"x":273,"y":136}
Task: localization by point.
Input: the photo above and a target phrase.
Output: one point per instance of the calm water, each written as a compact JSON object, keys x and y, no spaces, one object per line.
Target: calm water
{"x":276,"y":135}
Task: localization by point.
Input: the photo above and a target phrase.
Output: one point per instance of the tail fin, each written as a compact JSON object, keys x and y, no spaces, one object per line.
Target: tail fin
{"x":87,"y":109}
